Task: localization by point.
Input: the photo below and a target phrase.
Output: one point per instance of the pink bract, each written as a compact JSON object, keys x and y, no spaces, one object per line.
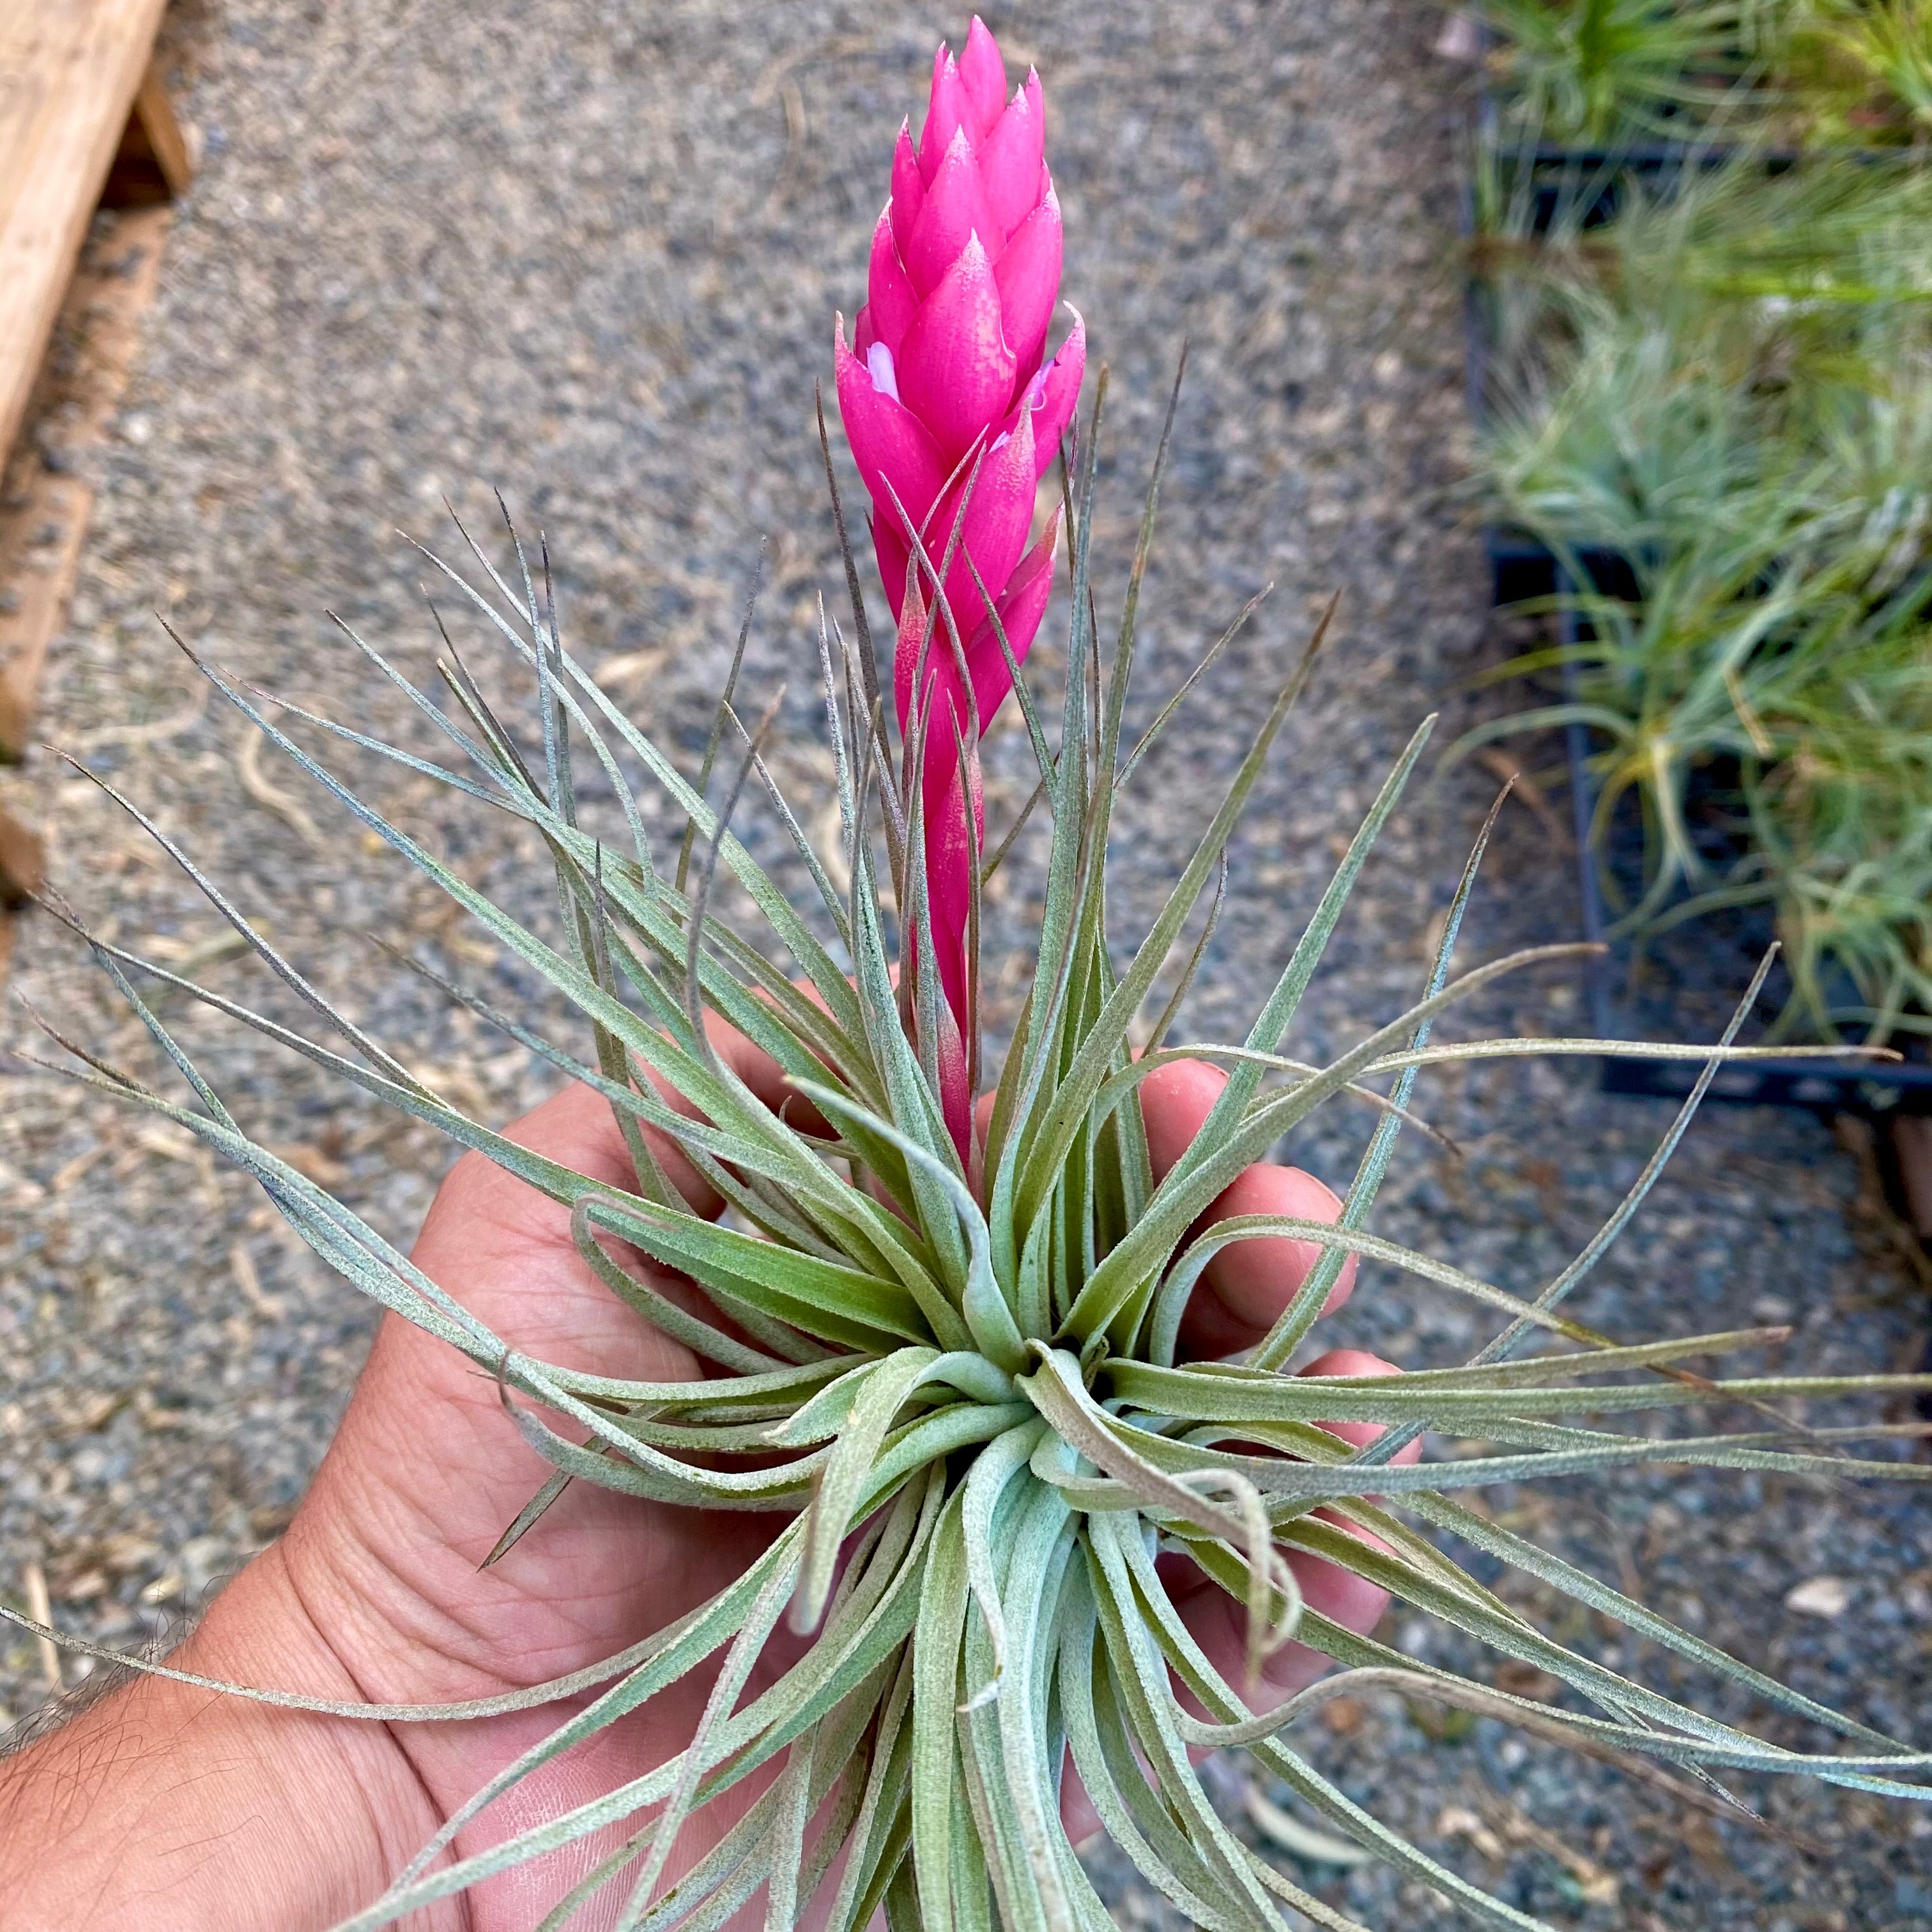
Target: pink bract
{"x":954,"y":413}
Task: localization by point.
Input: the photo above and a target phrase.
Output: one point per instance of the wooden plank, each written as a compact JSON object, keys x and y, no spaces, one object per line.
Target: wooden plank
{"x":155,"y":114}
{"x":22,"y":860}
{"x":69,"y":71}
{"x":47,"y":495}
{"x":155,"y":162}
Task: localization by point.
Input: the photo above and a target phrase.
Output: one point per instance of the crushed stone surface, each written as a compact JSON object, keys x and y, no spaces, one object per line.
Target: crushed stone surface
{"x":588,"y":252}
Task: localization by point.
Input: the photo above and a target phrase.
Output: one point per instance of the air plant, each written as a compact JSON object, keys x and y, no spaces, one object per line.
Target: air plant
{"x":1861,"y":70}
{"x":1610,"y":76}
{"x":953,"y":1376}
{"x":1602,"y":74}
{"x":1727,"y":391}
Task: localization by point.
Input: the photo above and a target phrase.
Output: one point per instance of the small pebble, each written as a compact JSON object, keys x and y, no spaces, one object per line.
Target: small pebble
{"x":1820,"y":1597}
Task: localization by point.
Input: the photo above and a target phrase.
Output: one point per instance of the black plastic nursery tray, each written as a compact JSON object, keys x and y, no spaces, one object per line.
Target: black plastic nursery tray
{"x":1594,"y":181}
{"x":1652,"y":990}
{"x":1681,"y":985}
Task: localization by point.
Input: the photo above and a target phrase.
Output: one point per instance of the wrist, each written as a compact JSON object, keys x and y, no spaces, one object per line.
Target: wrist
{"x":166,"y":1806}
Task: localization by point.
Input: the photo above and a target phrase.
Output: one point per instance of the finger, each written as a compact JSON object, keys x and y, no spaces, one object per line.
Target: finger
{"x":1175,"y":1099}
{"x":1248,"y":1283}
{"x":1337,"y":1594}
{"x":1219,"y":1623}
{"x":1359,"y":1362}
{"x":1078,"y":1817}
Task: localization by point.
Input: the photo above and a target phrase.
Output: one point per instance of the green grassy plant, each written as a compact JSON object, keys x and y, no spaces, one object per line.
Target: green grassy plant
{"x":1729,"y":388}
{"x":1612,"y":74}
{"x":1860,"y":71}
{"x":1604,"y":73}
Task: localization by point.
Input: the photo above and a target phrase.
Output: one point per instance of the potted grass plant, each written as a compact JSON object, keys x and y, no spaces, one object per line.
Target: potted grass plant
{"x":1618,"y":76}
{"x":1704,"y":395}
{"x":936,"y":1328}
{"x":1862,"y":73}
{"x":1730,"y":399}
{"x":1607,"y":75}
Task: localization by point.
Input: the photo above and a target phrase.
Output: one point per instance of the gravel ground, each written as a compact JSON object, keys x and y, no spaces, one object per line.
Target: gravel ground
{"x":589,"y":252}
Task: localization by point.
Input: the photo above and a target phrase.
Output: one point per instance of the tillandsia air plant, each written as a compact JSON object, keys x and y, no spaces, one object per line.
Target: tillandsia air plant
{"x":1606,"y":73}
{"x":1612,"y":76}
{"x":1861,"y":70}
{"x":1724,"y":396}
{"x":953,"y":1375}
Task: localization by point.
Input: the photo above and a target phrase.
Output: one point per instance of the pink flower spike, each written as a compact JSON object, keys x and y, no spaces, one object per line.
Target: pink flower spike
{"x":1020,"y":611}
{"x":983,"y":74}
{"x":889,"y":299}
{"x":911,"y":618}
{"x":949,"y":792}
{"x":908,"y":189}
{"x":895,"y":455}
{"x":1059,"y":387}
{"x":946,"y":114}
{"x":998,"y":516}
{"x":1011,"y":156}
{"x":948,"y":387}
{"x":956,"y":373}
{"x":955,"y":1097}
{"x":1028,"y":275}
{"x":955,"y":209}
{"x":895,"y":556}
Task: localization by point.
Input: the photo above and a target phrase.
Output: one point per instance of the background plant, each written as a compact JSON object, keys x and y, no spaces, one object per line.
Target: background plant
{"x":1861,"y":70}
{"x":1602,"y":74}
{"x":1715,"y":402}
{"x":1613,"y":75}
